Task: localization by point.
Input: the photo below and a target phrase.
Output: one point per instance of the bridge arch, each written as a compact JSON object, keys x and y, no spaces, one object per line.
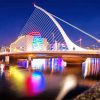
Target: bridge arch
{"x":70,"y":44}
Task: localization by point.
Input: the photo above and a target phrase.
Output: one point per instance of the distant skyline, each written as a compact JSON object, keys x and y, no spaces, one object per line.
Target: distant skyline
{"x":85,"y":14}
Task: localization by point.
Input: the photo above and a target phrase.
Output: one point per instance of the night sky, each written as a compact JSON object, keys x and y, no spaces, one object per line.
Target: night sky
{"x":85,"y":14}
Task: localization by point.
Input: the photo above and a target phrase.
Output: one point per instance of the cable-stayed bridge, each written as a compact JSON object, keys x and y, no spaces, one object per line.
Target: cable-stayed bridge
{"x":45,"y":23}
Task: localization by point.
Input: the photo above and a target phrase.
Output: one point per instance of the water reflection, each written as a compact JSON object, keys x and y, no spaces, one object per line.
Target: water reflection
{"x":91,"y":67}
{"x":52,"y":64}
{"x":17,"y":79}
{"x":70,"y":82}
{"x":23,"y":83}
{"x":2,"y":68}
{"x":35,"y":83}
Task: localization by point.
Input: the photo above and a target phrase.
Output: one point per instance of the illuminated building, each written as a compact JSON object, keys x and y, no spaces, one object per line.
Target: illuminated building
{"x":23,"y":43}
{"x":63,"y":46}
{"x":58,"y":46}
{"x":4,"y":49}
{"x":30,"y":42}
{"x":39,"y":43}
{"x":34,"y":42}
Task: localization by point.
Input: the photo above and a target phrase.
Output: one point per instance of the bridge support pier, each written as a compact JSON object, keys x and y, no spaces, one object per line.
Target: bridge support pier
{"x":29,"y":64}
{"x":74,"y":65}
{"x":5,"y":61}
{"x":9,"y":61}
{"x":74,"y":68}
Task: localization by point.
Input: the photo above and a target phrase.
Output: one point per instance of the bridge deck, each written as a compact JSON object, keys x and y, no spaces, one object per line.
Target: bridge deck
{"x":49,"y":54}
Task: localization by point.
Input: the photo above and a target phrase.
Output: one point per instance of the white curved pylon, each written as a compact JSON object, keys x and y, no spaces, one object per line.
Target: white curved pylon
{"x":70,"y":44}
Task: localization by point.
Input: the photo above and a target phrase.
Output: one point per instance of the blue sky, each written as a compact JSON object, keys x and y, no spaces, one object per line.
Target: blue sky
{"x":85,"y":14}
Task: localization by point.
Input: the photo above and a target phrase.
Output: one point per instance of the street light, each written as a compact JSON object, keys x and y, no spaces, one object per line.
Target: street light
{"x":53,"y":41}
{"x":53,"y":37}
{"x":80,"y":42}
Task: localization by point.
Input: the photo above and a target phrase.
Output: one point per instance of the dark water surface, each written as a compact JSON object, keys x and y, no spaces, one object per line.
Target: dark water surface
{"x":53,"y":86}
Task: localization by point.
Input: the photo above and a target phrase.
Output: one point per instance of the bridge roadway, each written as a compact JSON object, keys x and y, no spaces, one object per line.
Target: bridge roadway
{"x":69,"y":56}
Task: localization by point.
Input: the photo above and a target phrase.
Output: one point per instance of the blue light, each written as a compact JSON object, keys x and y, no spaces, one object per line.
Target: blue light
{"x":38,"y":81}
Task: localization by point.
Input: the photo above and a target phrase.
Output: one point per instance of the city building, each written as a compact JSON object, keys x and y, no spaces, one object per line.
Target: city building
{"x":58,"y":46}
{"x":4,"y":49}
{"x":30,"y":42}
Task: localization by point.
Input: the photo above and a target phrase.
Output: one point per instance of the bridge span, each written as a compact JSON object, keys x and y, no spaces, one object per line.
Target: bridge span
{"x":68,"y":56}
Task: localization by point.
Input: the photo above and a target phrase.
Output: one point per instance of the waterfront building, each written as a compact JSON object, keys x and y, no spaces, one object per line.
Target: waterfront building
{"x":30,"y":42}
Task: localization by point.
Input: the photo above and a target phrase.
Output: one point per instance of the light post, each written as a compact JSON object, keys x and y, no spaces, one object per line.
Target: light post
{"x":80,"y":42}
{"x":53,"y":40}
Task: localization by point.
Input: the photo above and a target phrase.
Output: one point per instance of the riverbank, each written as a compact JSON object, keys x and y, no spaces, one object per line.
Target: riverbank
{"x":92,"y":94}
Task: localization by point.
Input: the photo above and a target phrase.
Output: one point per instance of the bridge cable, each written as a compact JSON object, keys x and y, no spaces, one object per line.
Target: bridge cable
{"x":39,"y":21}
{"x":98,"y":40}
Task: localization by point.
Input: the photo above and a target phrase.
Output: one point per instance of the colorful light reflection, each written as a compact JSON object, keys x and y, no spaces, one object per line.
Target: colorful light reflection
{"x":17,"y":79}
{"x":35,"y":83}
{"x":91,"y":67}
{"x":53,"y":64}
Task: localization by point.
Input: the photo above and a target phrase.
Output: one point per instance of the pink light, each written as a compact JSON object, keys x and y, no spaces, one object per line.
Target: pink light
{"x":34,"y":34}
{"x":35,"y":84}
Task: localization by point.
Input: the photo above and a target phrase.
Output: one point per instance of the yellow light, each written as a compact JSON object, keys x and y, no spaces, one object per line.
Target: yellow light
{"x":17,"y":79}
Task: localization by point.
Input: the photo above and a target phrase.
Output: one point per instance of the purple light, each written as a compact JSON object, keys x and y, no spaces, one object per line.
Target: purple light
{"x":35,"y":84}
